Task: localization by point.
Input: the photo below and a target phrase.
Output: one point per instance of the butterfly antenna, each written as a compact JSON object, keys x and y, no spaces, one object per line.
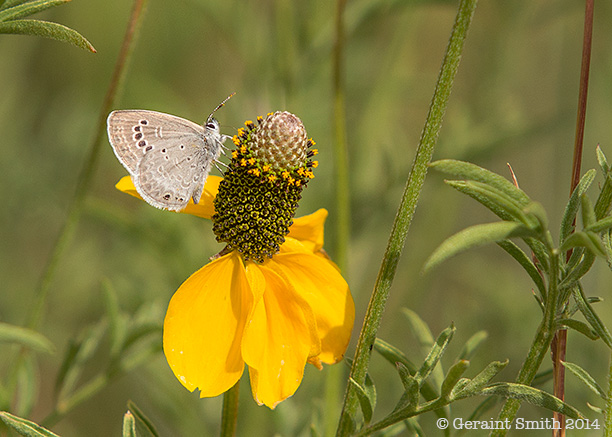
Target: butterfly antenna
{"x":219,"y":107}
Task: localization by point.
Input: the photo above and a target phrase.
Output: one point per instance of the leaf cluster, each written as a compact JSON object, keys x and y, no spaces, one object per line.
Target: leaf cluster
{"x":115,"y":345}
{"x":427,"y":387}
{"x":526,"y":219}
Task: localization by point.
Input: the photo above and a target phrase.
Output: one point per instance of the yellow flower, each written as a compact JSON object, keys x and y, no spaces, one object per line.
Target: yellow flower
{"x":274,"y":316}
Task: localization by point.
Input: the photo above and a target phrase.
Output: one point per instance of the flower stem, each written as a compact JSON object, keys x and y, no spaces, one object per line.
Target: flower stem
{"x":340,"y":144}
{"x":405,"y":211}
{"x":608,"y":411}
{"x":333,"y":384}
{"x":229,"y":415}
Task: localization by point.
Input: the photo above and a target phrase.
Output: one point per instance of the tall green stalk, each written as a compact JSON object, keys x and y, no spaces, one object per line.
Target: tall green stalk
{"x":405,"y":212}
{"x":334,"y":376}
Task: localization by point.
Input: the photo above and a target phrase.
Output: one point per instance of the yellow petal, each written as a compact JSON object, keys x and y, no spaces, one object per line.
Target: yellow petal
{"x":327,"y":293}
{"x":204,"y":324}
{"x":309,"y":229}
{"x":277,"y":339}
{"x":204,"y":208}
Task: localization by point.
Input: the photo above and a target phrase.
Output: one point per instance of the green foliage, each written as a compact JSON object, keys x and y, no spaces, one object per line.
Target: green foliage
{"x":454,"y":386}
{"x":525,"y":219}
{"x":24,"y":427}
{"x":27,"y":338}
{"x":11,"y":21}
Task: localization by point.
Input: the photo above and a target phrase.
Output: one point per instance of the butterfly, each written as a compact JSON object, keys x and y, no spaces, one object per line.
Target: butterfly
{"x":168,"y":157}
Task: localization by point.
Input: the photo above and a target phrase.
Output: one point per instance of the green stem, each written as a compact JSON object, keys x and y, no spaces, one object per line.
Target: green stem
{"x":608,"y":411}
{"x":540,"y":345}
{"x":229,"y":415}
{"x":340,"y":144}
{"x":333,"y":383}
{"x":405,"y":211}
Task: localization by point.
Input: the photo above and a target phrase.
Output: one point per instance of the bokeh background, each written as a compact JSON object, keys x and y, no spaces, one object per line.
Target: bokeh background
{"x":514,"y":101}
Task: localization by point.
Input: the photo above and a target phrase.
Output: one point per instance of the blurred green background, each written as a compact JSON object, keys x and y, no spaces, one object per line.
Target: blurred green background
{"x":514,"y":101}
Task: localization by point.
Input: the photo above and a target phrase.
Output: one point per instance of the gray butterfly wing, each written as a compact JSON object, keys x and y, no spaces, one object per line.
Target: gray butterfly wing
{"x":168,"y":157}
{"x":167,"y":177}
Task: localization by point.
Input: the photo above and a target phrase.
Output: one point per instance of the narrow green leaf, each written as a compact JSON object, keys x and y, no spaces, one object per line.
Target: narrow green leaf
{"x":25,"y":427}
{"x":475,"y":386}
{"x":585,"y":377}
{"x":475,"y":236}
{"x":467,"y":187}
{"x":28,"y":8}
{"x":76,"y":358}
{"x":404,"y":374}
{"x":532,"y":395}
{"x":602,"y":160}
{"x":27,"y":393}
{"x":580,"y":327}
{"x":144,"y":426}
{"x":46,"y":29}
{"x":525,"y":262}
{"x":10,"y":3}
{"x":588,"y":213}
{"x":452,"y":377}
{"x":588,"y":240}
{"x":467,"y":170}
{"x":472,"y":344}
{"x":426,"y":341}
{"x":589,"y":314}
{"x":571,"y":209}
{"x":25,"y":337}
{"x":394,"y":356}
{"x":493,"y":198}
{"x":116,"y":323}
{"x":129,"y":425}
{"x":600,"y":225}
{"x":420,"y":330}
{"x":578,"y":271}
{"x":536,"y":210}
{"x":604,"y":199}
{"x":535,"y":245}
{"x":435,"y":354}
{"x":410,"y":398}
{"x":367,"y":409}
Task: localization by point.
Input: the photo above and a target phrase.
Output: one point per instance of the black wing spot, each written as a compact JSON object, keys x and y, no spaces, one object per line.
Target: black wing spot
{"x":136,"y":128}
{"x":142,"y":143}
{"x":138,"y":136}
{"x":144,"y":122}
{"x":148,"y":148}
